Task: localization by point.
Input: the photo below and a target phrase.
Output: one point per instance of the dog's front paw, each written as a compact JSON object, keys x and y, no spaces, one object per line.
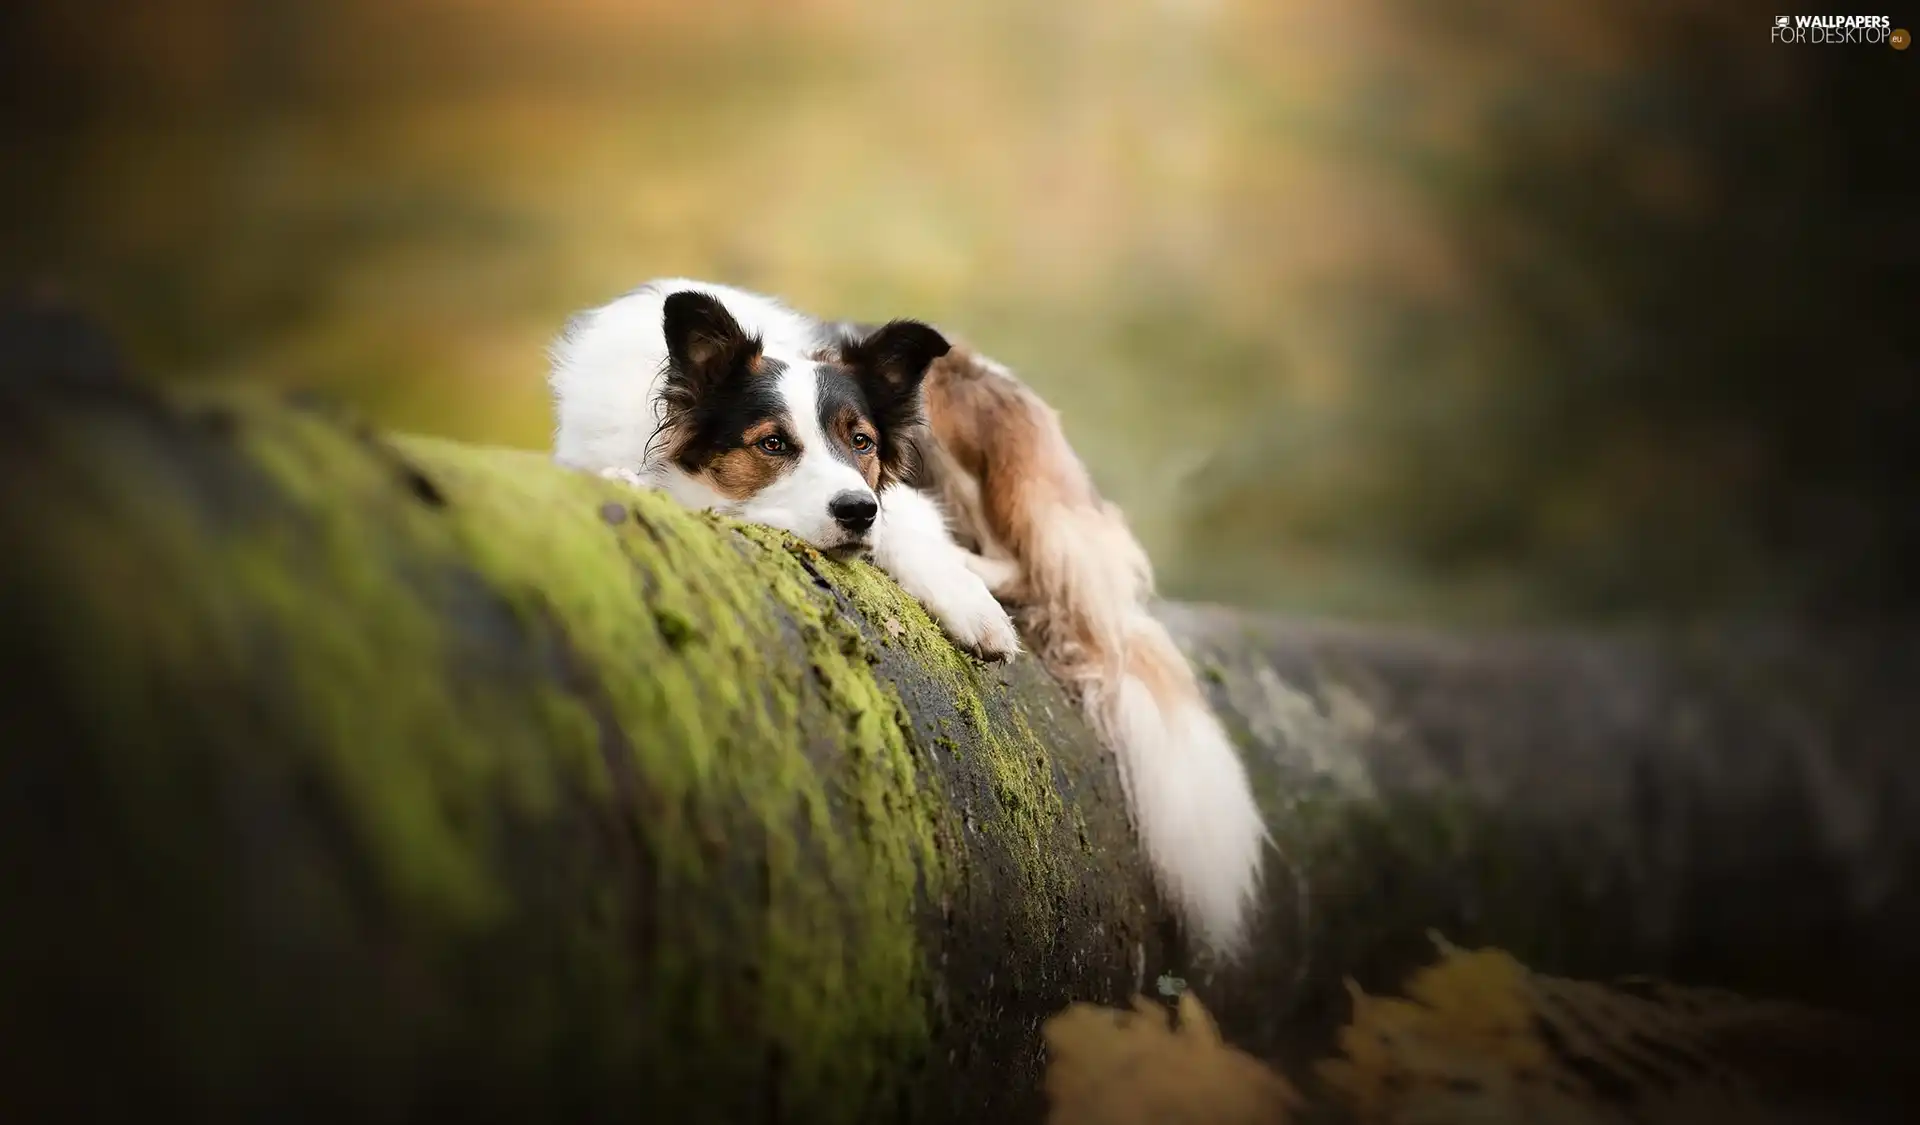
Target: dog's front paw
{"x":976,"y":621}
{"x":1004,"y":578}
{"x":626,"y":476}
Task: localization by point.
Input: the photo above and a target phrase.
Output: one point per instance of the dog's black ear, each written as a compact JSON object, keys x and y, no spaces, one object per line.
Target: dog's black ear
{"x":890,"y":363}
{"x":707,"y":346}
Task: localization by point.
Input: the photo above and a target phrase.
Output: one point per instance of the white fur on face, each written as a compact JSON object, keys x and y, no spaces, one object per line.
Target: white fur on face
{"x":797,"y":500}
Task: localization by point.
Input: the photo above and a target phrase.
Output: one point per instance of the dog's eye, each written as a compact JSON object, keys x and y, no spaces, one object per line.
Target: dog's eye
{"x":772,"y":445}
{"x":862,"y":443}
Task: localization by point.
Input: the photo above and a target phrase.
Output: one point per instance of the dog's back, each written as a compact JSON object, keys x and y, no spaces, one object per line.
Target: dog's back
{"x":1080,"y":582}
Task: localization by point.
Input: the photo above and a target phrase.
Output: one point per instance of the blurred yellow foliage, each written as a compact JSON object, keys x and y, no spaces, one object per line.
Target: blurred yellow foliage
{"x":1384,"y":308}
{"x":1481,"y":1038}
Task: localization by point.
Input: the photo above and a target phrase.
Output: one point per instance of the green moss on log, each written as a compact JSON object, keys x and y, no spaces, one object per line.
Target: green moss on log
{"x":701,"y":687}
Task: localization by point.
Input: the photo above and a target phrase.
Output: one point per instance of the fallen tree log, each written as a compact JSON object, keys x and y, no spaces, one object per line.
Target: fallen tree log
{"x":368,"y":778}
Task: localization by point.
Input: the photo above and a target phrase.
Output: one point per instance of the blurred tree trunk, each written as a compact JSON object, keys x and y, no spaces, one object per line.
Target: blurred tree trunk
{"x":368,"y":779}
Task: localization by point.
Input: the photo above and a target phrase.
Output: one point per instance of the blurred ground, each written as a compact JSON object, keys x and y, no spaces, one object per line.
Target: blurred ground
{"x":1464,"y":311}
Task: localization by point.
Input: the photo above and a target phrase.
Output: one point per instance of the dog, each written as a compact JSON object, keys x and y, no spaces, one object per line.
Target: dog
{"x":730,"y":401}
{"x":957,"y":480}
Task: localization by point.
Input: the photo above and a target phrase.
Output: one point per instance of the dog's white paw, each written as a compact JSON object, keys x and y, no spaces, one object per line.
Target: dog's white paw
{"x":626,"y":476}
{"x":975,"y":620}
{"x":1002,"y":576}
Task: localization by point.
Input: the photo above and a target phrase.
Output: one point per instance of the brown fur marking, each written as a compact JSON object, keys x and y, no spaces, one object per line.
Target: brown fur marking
{"x":740,"y":473}
{"x":1002,"y":434}
{"x":841,"y":430}
{"x":1079,"y":582}
{"x":1012,"y":484}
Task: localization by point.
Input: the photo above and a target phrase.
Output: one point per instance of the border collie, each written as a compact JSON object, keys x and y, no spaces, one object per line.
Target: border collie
{"x":868,"y":440}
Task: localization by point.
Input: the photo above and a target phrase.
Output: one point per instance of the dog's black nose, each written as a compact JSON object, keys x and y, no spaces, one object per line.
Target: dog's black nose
{"x":853,"y":510}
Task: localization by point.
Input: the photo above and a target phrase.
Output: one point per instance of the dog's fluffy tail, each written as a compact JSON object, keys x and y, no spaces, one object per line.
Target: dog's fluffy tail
{"x":1188,"y":790}
{"x":1080,"y":582}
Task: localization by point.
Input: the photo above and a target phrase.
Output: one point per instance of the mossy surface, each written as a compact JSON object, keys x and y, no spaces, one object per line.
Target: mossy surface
{"x":578,"y":795}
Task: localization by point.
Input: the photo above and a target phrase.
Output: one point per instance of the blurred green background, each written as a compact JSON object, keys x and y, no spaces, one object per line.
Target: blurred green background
{"x":1444,"y":310}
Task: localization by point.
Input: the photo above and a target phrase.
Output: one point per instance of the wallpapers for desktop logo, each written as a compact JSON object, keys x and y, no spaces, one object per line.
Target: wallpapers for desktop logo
{"x":1840,"y":31}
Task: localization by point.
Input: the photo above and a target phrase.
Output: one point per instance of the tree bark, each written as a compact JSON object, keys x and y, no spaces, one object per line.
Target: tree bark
{"x":355,"y":777}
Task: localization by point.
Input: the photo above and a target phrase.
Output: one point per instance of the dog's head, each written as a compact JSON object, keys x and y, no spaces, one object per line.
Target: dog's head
{"x":803,"y":442}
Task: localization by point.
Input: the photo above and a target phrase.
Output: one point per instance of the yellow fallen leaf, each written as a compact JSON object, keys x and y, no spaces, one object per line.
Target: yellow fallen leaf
{"x":1106,"y":1066}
